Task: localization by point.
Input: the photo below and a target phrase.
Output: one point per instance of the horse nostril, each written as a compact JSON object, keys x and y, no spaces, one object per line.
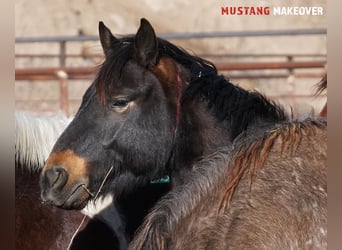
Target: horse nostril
{"x":56,"y":176}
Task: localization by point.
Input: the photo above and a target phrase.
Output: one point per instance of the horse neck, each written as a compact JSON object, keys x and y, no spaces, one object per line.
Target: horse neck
{"x":200,"y":133}
{"x":215,"y":115}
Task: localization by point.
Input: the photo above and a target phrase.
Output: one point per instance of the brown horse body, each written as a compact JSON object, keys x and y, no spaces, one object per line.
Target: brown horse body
{"x":271,"y":194}
{"x":37,"y":226}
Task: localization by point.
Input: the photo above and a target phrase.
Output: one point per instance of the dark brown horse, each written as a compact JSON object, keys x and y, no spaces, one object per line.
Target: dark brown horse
{"x":38,"y":226}
{"x":153,"y":110}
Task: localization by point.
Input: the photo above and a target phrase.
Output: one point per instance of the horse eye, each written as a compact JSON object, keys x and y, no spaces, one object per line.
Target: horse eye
{"x":119,"y":104}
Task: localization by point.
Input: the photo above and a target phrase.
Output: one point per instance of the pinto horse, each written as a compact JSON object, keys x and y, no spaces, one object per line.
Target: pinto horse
{"x":38,"y":226}
{"x":154,"y":110}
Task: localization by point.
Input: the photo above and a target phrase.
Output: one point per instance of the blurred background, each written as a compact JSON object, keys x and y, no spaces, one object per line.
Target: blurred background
{"x":57,"y":50}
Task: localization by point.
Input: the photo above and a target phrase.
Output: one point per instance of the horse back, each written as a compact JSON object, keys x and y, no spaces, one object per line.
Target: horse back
{"x":281,"y":205}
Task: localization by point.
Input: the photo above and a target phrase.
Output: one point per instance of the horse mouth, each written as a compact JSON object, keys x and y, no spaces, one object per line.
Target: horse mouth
{"x":77,"y":199}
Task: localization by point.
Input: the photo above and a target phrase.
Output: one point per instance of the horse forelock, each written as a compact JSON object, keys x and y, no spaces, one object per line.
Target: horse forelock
{"x":110,"y":71}
{"x":252,"y":153}
{"x":35,"y":137}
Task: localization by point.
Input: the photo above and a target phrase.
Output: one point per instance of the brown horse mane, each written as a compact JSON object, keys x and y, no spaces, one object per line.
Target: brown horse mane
{"x":221,"y":168}
{"x":252,"y":156}
{"x":322,"y":87}
{"x":178,"y":203}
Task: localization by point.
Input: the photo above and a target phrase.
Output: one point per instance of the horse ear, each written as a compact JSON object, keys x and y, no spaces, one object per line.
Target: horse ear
{"x":107,"y":39}
{"x":146,"y":44}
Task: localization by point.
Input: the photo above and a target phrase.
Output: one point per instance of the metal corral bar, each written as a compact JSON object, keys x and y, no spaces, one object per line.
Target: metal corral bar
{"x":201,"y":55}
{"x":20,"y":74}
{"x":231,"y":75}
{"x":53,"y":71}
{"x":187,"y":35}
{"x":270,"y":65}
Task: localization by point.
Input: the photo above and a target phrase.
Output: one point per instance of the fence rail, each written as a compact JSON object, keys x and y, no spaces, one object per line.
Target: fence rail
{"x":85,"y":72}
{"x":286,"y":62}
{"x":181,"y":36}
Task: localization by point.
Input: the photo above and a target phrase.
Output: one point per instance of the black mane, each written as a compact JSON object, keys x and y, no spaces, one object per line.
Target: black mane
{"x":239,"y":107}
{"x":229,"y":102}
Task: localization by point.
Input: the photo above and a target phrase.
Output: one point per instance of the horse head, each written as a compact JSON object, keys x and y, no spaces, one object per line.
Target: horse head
{"x":126,"y":121}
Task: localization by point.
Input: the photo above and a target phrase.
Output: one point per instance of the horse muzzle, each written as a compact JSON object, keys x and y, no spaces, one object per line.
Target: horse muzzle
{"x":56,"y":191}
{"x":64,"y":181}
